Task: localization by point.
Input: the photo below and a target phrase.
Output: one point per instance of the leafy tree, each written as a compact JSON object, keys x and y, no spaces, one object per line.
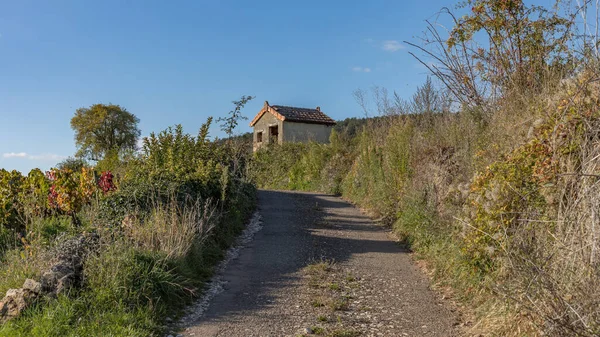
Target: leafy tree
{"x":524,"y":40}
{"x":102,"y":128}
{"x":500,"y":46}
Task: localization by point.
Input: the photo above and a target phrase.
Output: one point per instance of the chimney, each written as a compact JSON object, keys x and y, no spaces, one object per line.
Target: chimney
{"x":319,"y":109}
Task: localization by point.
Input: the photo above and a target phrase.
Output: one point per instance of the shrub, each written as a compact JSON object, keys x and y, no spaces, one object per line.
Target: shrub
{"x":273,"y":166}
{"x":11,"y":211}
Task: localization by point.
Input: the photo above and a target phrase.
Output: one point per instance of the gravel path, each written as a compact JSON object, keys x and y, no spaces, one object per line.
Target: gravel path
{"x":267,"y":290}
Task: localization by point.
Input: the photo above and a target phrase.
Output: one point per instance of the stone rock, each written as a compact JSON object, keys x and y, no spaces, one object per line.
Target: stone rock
{"x":32,"y":286}
{"x":67,"y":270}
{"x":58,"y":279}
{"x":17,"y":300}
{"x":65,"y":283}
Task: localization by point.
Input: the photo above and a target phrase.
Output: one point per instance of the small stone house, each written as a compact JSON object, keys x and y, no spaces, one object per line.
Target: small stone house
{"x":279,"y":124}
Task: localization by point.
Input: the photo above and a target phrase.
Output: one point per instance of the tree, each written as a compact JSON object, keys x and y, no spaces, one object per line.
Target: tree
{"x":428,"y":100}
{"x":230,"y":122}
{"x":523,"y":40}
{"x":102,"y":129}
{"x":71,"y":163}
{"x":499,"y":47}
{"x":235,"y":147}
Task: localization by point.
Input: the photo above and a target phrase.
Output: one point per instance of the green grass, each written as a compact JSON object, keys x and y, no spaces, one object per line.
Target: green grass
{"x":317,"y":303}
{"x":343,"y":333}
{"x":125,"y":294}
{"x":317,"y":330}
{"x":18,"y":265}
{"x":85,"y":315}
{"x":322,"y":318}
{"x":49,"y":228}
{"x":334,"y":286}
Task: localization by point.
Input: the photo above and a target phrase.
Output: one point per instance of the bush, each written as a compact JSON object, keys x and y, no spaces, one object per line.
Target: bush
{"x":304,"y":167}
{"x":11,"y":211}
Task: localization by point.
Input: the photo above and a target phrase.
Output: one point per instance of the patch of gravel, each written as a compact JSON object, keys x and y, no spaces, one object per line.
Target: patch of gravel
{"x":216,"y":284}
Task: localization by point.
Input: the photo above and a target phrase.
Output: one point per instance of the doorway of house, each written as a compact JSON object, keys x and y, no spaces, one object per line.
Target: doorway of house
{"x":273,"y":134}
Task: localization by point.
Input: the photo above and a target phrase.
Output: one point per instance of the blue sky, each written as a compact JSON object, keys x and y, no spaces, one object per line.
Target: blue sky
{"x":172,"y":62}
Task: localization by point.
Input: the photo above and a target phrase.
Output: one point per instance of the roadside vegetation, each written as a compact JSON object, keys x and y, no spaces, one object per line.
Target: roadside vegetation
{"x":489,"y":172}
{"x":160,"y":218}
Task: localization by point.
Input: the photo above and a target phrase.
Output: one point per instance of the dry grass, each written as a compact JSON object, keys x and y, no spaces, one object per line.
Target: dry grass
{"x":555,"y":261}
{"x":172,"y":228}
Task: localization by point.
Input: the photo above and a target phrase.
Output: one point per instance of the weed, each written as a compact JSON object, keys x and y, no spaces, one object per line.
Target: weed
{"x":343,"y":333}
{"x":334,"y":286}
{"x":317,"y":303}
{"x":339,"y":304}
{"x":317,"y":330}
{"x":319,"y":268}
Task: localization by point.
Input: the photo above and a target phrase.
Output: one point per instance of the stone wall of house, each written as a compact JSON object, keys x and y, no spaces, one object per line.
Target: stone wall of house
{"x":262,"y":125}
{"x":303,"y":132}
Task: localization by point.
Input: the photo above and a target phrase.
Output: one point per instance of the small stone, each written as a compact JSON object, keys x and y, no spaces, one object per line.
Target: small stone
{"x":65,"y":283}
{"x":17,"y":300}
{"x":32,"y":286}
{"x":308,"y":331}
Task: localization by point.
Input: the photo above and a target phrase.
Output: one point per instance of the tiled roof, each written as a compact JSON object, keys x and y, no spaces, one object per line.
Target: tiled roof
{"x":303,"y":115}
{"x":293,"y":114}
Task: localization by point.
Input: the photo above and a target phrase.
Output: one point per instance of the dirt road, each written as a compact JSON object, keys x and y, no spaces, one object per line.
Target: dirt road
{"x":361,"y":282}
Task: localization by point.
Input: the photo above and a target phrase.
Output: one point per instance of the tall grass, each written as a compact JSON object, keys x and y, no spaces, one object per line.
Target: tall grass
{"x":173,"y":228}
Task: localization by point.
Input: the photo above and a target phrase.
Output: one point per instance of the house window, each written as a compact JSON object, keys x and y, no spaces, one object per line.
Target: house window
{"x":259,"y":137}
